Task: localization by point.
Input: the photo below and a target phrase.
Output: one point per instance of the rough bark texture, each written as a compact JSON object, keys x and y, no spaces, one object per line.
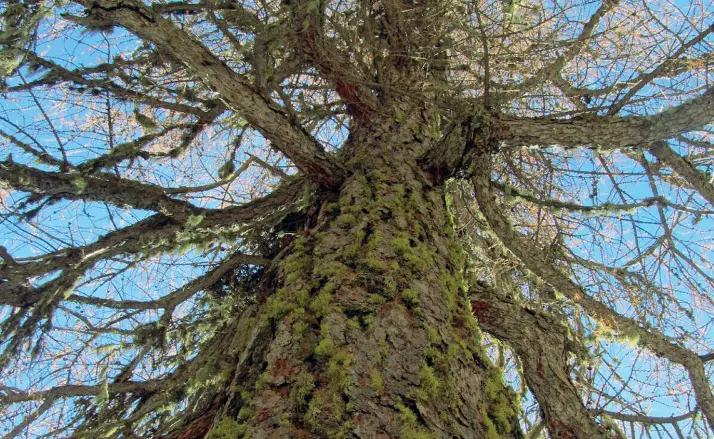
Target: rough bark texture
{"x":371,"y":334}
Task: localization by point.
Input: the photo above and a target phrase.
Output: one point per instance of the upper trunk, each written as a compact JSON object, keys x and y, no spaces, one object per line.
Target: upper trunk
{"x":370,"y":331}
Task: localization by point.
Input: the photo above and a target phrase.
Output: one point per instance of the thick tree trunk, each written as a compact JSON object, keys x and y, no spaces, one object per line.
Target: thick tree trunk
{"x":369,"y":333}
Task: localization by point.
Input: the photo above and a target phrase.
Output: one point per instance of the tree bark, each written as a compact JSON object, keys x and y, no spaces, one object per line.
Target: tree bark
{"x":369,"y":332}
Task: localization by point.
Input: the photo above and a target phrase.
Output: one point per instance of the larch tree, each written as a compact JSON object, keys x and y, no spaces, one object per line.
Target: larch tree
{"x":356,"y":219}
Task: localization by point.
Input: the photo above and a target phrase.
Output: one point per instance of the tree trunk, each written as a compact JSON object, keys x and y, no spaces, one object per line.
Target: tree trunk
{"x":369,"y":333}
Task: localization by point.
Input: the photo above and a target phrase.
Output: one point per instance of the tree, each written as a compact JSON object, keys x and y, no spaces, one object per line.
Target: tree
{"x":381,"y":219}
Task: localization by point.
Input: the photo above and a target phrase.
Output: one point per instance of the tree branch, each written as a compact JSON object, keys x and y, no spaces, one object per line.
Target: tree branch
{"x":58,"y":73}
{"x":292,"y":140}
{"x":542,"y":345}
{"x":181,"y":294}
{"x":553,"y":69}
{"x":694,"y":177}
{"x":332,"y":62}
{"x":607,"y":132}
{"x":98,"y":187}
{"x":462,"y":140}
{"x":617,"y":106}
{"x":71,"y":390}
{"x":536,"y":260}
{"x":157,"y":232}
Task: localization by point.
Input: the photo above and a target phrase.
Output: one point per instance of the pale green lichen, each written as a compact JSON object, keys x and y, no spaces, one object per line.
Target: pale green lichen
{"x":245,"y":413}
{"x":390,"y":287}
{"x":263,"y":379}
{"x":500,"y":410}
{"x":411,"y":432}
{"x":315,"y":407}
{"x":376,"y":299}
{"x":432,"y":335}
{"x":284,"y":421}
{"x":341,"y":432}
{"x":410,"y":426}
{"x":489,"y":426}
{"x":450,"y":286}
{"x":630,"y":336}
{"x":354,"y":323}
{"x":79,"y":183}
{"x":280,"y":305}
{"x":401,"y":245}
{"x":333,"y":269}
{"x":194,"y":220}
{"x":412,"y":254}
{"x":295,"y":266}
{"x":338,"y":370}
{"x":299,"y":328}
{"x":328,"y":401}
{"x":321,"y":303}
{"x":367,"y":322}
{"x":346,"y":220}
{"x":300,"y":244}
{"x":374,"y":241}
{"x":378,"y":265}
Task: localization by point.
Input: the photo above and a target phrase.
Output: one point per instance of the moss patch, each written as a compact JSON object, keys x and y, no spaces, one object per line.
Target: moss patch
{"x":500,"y":410}
{"x":301,"y":391}
{"x":410,"y":426}
{"x":376,"y":381}
{"x":227,"y":428}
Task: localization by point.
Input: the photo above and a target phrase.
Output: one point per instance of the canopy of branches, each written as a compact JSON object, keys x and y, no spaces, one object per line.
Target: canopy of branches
{"x":156,"y":156}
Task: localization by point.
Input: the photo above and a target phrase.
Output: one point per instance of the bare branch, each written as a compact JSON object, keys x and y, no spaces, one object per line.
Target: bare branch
{"x":307,"y":154}
{"x":611,"y":132}
{"x":553,"y":70}
{"x":174,"y":298}
{"x":657,"y":71}
{"x":694,"y":177}
{"x":542,"y":346}
{"x":58,"y":74}
{"x":72,"y":390}
{"x":156,"y":233}
{"x":97,"y":187}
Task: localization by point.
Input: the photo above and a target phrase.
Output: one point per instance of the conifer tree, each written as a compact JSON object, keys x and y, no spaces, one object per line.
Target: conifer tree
{"x":416,"y":219}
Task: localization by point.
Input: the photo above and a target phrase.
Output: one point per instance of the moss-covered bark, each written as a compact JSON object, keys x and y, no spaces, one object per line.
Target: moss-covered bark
{"x":372,"y":334}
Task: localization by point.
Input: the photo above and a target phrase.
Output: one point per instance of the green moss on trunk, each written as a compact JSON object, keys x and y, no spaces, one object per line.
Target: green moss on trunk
{"x":370,"y":321}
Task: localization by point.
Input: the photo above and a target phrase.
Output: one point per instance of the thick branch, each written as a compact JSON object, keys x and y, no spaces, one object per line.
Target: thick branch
{"x":643,"y":419}
{"x":462,"y":141}
{"x":97,"y":187}
{"x":611,"y":132}
{"x":536,"y":260}
{"x":292,"y":140}
{"x":16,"y":290}
{"x":72,"y":390}
{"x":542,"y":346}
{"x":332,"y":62}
